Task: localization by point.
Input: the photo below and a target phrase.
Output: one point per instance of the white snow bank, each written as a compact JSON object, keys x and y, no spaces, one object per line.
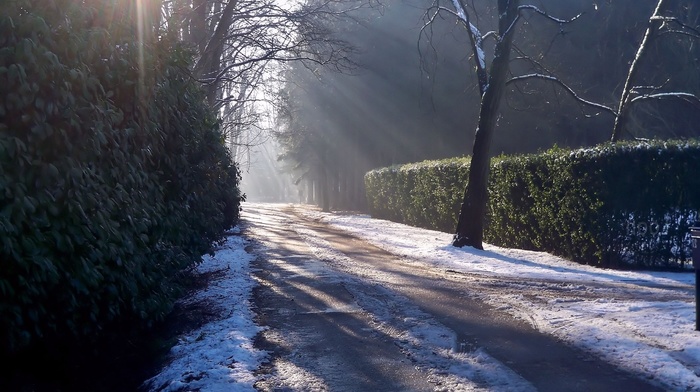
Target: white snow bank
{"x":220,"y":355}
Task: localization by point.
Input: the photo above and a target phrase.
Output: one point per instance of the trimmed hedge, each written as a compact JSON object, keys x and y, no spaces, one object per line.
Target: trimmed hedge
{"x":626,"y":205}
{"x":113,"y":174}
{"x":422,"y":194}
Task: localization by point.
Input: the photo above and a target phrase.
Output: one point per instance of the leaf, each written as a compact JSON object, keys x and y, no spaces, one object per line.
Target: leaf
{"x":53,"y":171}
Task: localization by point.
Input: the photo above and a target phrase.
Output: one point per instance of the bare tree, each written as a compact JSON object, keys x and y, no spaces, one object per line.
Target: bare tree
{"x":492,"y":78}
{"x":660,"y":23}
{"x":240,"y":43}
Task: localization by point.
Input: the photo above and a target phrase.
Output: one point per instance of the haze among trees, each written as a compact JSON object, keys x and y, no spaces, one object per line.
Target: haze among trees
{"x":416,"y":92}
{"x":124,"y":125}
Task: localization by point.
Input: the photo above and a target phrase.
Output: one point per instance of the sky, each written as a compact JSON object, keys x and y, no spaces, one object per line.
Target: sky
{"x":643,"y":321}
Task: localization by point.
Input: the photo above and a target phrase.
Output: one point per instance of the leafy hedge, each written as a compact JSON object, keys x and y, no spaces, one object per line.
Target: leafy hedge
{"x":626,"y":205}
{"x":425,"y":194}
{"x":113,"y":174}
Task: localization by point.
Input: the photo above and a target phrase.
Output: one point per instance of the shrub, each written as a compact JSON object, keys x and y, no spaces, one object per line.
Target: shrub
{"x":422,"y":194}
{"x":626,"y":205}
{"x":113,"y":175}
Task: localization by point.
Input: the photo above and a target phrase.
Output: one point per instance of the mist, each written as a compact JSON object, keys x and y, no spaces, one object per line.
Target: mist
{"x":264,"y":178}
{"x":413,"y":95}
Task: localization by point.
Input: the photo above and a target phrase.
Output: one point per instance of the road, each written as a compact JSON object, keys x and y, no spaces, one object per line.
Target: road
{"x":343,"y":315}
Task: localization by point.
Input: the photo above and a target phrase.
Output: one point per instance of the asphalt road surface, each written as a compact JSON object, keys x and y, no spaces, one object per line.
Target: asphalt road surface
{"x":343,"y":315}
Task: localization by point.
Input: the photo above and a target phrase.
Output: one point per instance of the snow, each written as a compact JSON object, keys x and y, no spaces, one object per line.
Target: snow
{"x":220,"y":355}
{"x":460,"y":11}
{"x":430,"y":344}
{"x":433,"y":246}
{"x":641,"y":321}
{"x":474,"y":31}
{"x":651,"y":335}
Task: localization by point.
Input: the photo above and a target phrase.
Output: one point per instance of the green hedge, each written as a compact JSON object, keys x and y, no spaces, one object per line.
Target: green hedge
{"x":113,"y":174}
{"x":626,"y":205}
{"x":422,"y":194}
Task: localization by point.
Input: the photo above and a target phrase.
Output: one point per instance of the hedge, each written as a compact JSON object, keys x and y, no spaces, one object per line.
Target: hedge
{"x":425,"y":194}
{"x":625,"y":205}
{"x":113,"y":174}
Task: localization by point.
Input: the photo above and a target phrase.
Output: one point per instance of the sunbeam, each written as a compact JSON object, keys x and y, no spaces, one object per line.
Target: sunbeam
{"x":141,"y":34}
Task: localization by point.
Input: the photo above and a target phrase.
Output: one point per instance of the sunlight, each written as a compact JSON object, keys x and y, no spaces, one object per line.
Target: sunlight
{"x":141,"y":28}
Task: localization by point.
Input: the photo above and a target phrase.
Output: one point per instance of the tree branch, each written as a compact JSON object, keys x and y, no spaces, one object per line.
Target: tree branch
{"x":476,"y":41}
{"x":623,"y":106}
{"x":534,"y":8}
{"x":693,"y":31}
{"x":688,"y":97}
{"x":529,"y":7}
{"x":565,"y":87}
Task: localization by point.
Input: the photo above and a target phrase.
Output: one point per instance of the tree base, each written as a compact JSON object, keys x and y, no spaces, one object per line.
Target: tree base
{"x":459,"y":241}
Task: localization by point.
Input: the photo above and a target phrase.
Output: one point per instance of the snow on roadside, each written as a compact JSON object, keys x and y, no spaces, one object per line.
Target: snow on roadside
{"x":220,"y":355}
{"x":434,"y":246}
{"x":654,"y":338}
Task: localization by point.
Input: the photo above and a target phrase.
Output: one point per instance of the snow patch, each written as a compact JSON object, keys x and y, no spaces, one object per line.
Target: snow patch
{"x":220,"y":355}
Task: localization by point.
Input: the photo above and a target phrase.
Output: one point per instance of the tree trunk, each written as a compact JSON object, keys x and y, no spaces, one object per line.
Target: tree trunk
{"x":337,"y":200}
{"x":310,"y":191}
{"x":209,"y":62}
{"x":624,"y":105}
{"x":198,"y":25}
{"x":470,"y":226}
{"x":324,"y":191}
{"x":214,"y":91}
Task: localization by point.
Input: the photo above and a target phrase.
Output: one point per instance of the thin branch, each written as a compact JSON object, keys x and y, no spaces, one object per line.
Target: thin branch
{"x":680,"y":32}
{"x":693,"y":31}
{"x":688,"y":97}
{"x":635,"y":89}
{"x":565,"y":87}
{"x":530,"y":7}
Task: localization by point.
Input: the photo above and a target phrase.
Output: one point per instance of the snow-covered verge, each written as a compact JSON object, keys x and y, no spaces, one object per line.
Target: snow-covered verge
{"x":220,"y":355}
{"x":653,"y":335}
